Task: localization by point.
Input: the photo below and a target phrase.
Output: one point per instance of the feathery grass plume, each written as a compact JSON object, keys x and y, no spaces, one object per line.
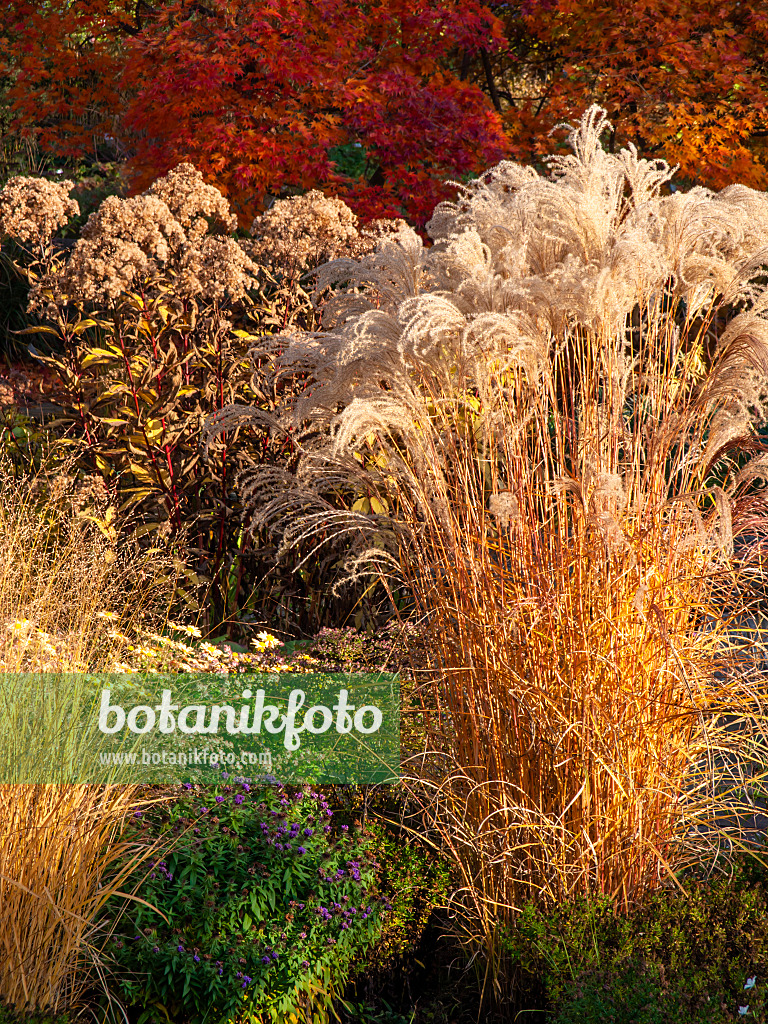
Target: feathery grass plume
{"x":555,"y":410}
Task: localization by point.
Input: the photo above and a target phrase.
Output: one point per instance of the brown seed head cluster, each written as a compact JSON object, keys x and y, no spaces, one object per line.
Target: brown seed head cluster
{"x":143,"y":220}
{"x":33,"y":208}
{"x":97,"y":271}
{"x":190,"y":200}
{"x":214,"y":269}
{"x":127,"y":239}
{"x":301,"y":232}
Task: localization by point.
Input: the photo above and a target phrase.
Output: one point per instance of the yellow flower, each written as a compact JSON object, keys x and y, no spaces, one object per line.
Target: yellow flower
{"x":20,"y":626}
{"x":189,"y":630}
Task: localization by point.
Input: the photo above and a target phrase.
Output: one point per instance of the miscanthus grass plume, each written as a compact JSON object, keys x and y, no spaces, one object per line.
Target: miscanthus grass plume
{"x":548,"y":424}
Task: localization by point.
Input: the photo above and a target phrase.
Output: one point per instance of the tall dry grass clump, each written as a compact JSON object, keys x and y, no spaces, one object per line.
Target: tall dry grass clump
{"x":60,"y":853}
{"x":73,"y":594}
{"x":547,"y":423}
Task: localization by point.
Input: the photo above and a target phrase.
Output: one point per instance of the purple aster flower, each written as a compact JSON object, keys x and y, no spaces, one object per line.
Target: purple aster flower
{"x":301,"y":849}
{"x":137,"y":814}
{"x":239,"y":798}
{"x":155,"y":949}
{"x":203,"y":810}
{"x":180,"y":948}
{"x":187,"y":785}
{"x":225,"y":775}
{"x":246,"y":787}
{"x":219,"y":799}
{"x":309,"y":831}
{"x":196,"y":958}
{"x":265,"y":959}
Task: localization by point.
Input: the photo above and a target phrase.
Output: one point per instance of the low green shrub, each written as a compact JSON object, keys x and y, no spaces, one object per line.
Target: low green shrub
{"x":695,"y":956}
{"x":265,"y":905}
{"x":414,"y":884}
{"x":9,"y":1016}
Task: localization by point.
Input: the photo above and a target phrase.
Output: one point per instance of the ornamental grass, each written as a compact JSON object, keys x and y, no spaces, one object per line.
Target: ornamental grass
{"x":60,"y":846}
{"x":72,"y":593}
{"x":548,"y":425}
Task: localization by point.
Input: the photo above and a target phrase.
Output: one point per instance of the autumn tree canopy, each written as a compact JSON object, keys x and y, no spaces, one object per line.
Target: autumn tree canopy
{"x":264,"y":96}
{"x":682,"y":79}
{"x":256,"y":93}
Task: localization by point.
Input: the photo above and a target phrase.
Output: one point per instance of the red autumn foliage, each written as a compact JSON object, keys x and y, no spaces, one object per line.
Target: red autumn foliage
{"x":683,"y":79}
{"x":254,"y":93}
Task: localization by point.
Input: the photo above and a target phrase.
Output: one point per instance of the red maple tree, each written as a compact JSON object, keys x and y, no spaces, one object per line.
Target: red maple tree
{"x":682,"y":79}
{"x":257,"y":94}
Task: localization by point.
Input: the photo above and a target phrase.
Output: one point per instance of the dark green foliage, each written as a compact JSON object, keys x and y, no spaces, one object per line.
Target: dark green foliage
{"x":679,"y":957}
{"x":415,"y":882}
{"x":353,"y":161}
{"x":267,"y":907}
{"x":14,"y":291}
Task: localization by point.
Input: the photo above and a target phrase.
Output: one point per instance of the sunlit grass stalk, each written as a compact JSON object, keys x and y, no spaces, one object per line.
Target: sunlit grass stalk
{"x":62,"y":855}
{"x":582,"y":637}
{"x":72,"y":596}
{"x":555,"y":408}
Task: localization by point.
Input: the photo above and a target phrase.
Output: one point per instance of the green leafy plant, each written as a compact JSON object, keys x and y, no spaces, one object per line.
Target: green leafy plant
{"x":680,"y":955}
{"x":265,"y":908}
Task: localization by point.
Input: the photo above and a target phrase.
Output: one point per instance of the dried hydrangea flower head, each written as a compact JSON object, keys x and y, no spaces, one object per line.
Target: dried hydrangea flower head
{"x":31,"y":209}
{"x":190,"y":200}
